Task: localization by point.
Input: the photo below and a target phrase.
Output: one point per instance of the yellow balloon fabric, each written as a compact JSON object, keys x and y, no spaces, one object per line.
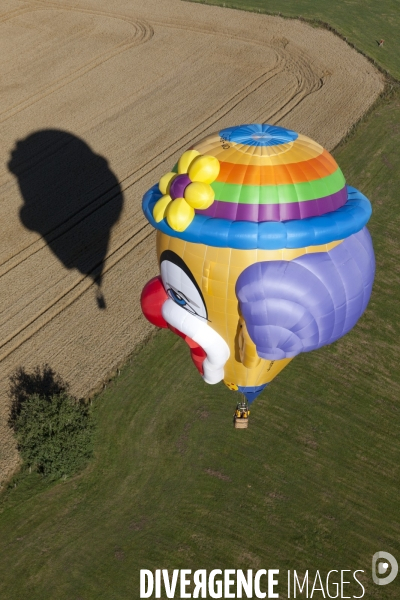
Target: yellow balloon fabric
{"x":199,"y":195}
{"x":186,"y":159}
{"x":160,"y":207}
{"x":204,"y":169}
{"x":165,"y":182}
{"x":179,"y":214}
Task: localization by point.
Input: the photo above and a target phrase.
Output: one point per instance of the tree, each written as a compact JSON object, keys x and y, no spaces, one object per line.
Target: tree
{"x":53,"y":429}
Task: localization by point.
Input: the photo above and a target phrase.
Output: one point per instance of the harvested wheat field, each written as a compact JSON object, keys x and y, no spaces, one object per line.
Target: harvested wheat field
{"x":96,"y":104}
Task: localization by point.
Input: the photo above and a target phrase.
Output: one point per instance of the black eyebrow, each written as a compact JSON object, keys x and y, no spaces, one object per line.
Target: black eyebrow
{"x":179,"y":262}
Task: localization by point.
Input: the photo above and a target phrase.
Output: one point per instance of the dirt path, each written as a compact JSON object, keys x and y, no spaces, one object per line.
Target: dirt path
{"x":96,"y":104}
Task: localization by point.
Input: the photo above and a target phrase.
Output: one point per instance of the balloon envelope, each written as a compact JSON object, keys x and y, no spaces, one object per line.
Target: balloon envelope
{"x":278,"y":262}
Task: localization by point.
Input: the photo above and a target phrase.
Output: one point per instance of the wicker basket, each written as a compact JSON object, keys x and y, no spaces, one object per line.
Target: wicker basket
{"x":241,"y":423}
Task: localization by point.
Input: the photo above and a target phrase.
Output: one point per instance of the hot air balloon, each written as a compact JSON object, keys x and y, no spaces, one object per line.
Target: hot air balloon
{"x":263,"y":252}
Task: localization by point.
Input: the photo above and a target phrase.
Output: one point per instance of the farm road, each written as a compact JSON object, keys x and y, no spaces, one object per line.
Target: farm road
{"x":127,"y":87}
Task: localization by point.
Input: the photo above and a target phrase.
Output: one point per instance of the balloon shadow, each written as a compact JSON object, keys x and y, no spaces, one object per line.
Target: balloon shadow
{"x":71,"y":198}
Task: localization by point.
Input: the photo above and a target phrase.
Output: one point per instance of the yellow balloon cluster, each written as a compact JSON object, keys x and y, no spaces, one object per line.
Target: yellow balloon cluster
{"x":196,"y":192}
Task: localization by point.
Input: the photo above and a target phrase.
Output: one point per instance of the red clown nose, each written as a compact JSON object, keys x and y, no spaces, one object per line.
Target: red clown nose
{"x":152,"y":298}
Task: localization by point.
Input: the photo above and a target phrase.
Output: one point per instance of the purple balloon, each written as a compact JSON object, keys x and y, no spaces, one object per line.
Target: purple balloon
{"x":304,"y":304}
{"x":179,"y":185}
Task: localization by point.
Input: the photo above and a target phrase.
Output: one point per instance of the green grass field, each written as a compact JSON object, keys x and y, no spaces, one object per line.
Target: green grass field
{"x":312,"y":484}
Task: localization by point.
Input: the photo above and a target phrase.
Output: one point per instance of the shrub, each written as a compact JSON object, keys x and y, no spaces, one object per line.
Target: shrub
{"x":42,"y":381}
{"x":53,"y":429}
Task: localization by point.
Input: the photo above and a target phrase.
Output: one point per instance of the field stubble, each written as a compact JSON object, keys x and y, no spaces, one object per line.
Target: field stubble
{"x":136,"y":85}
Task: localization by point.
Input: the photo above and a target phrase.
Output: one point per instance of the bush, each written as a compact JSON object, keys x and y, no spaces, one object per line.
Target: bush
{"x":53,"y":429}
{"x":42,"y":381}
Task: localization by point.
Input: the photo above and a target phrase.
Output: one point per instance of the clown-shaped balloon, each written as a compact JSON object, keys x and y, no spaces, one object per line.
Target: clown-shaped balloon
{"x":263,"y":253}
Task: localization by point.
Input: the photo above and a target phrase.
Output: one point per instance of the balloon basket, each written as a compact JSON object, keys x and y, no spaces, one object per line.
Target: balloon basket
{"x":240,"y":423}
{"x":241,"y":414}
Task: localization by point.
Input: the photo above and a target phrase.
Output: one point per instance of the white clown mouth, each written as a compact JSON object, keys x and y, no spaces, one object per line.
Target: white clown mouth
{"x":215,"y":347}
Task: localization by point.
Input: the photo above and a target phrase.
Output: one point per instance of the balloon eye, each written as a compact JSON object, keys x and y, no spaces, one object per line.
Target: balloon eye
{"x":176,"y":297}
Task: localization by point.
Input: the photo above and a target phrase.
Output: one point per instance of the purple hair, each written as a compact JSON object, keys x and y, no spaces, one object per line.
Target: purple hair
{"x":300,"y":305}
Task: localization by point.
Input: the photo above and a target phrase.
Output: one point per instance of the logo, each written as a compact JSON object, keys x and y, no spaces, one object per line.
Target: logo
{"x":383,"y":562}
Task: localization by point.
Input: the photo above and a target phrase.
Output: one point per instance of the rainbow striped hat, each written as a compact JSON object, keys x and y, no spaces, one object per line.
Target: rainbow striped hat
{"x":275,"y":189}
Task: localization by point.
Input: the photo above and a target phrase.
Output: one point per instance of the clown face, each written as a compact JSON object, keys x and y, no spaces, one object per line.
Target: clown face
{"x":263,"y":253}
{"x":198,"y":299}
